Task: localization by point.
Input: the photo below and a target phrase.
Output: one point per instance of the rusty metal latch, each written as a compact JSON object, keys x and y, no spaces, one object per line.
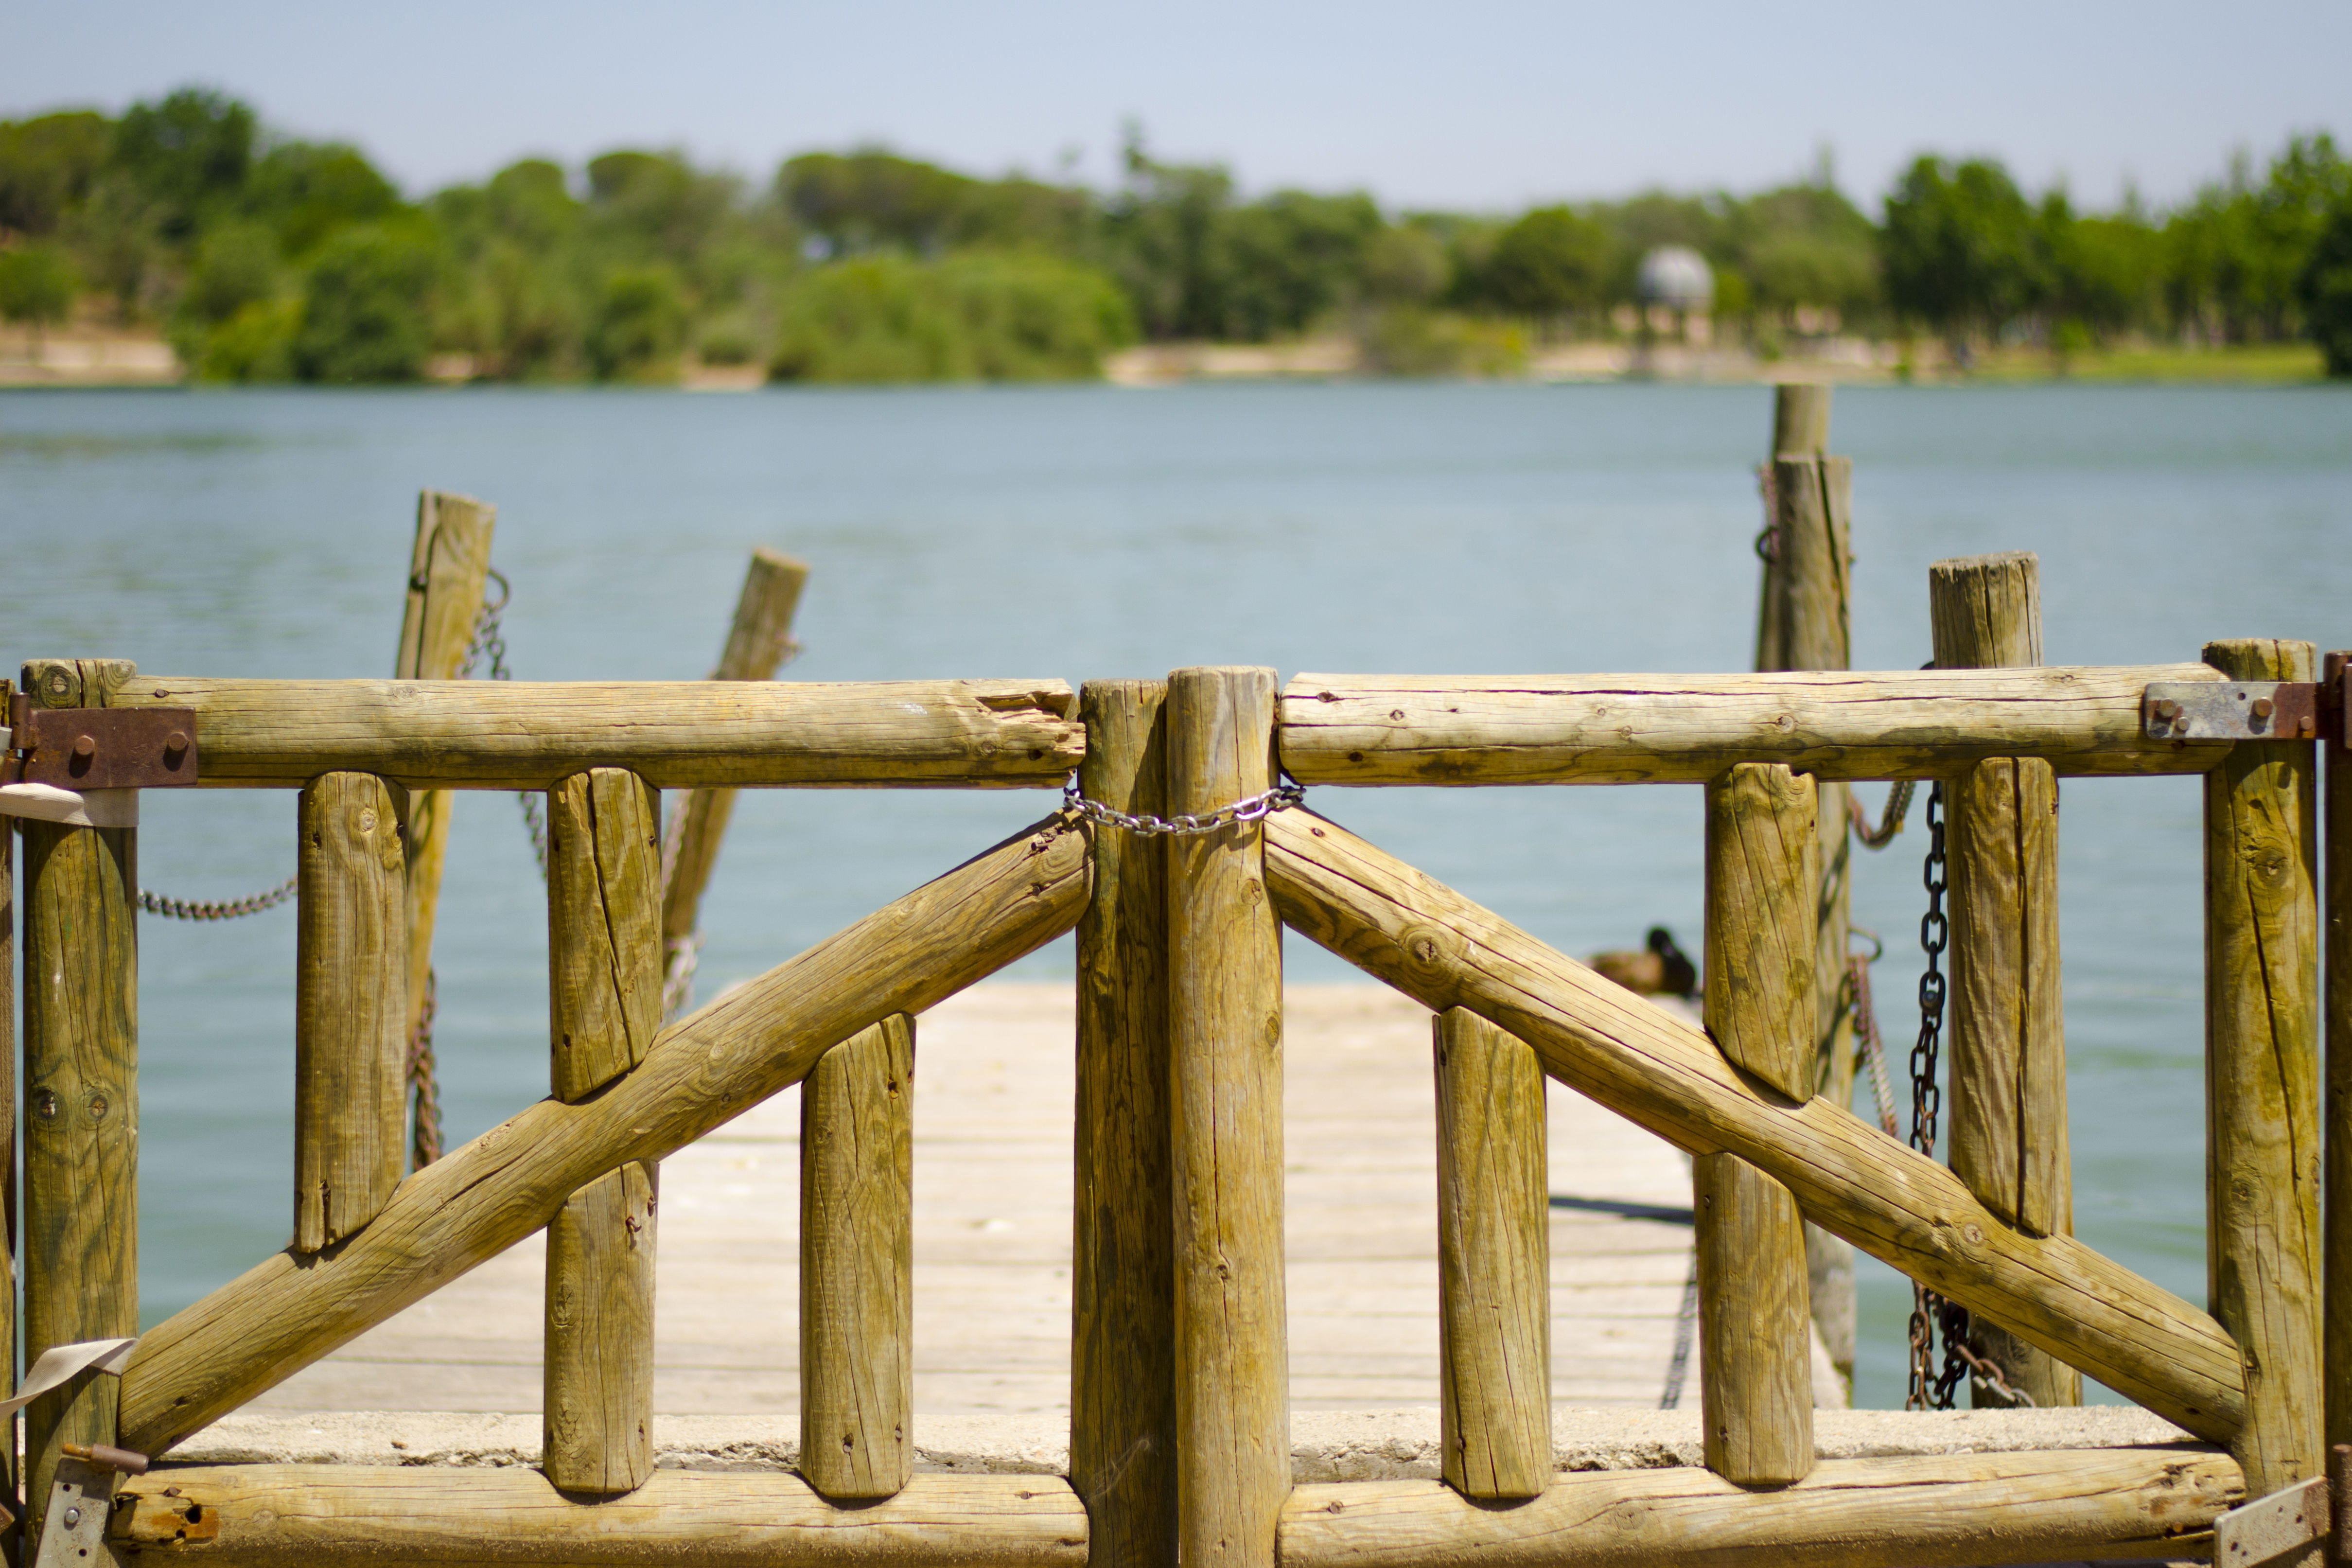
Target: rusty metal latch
{"x":83,"y":749}
{"x":2242,"y":710}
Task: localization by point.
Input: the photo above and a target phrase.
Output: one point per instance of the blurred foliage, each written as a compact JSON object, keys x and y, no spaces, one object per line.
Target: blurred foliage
{"x":264,"y":256}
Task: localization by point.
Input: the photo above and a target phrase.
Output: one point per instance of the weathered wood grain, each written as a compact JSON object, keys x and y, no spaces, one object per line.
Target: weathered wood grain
{"x":2262,"y":1076}
{"x":699,"y":1072}
{"x":2335,"y":918}
{"x":604,"y":927}
{"x":1756,"y":1369}
{"x":1679,"y":728}
{"x":515,"y":734}
{"x":301,"y":1516}
{"x":2007,"y":1035}
{"x":1849,"y":1513}
{"x":1123,"y":1284}
{"x":1800,"y":418}
{"x":8,"y":1063}
{"x":351,"y":1005}
{"x":1763,"y":877}
{"x":1494,"y":1261}
{"x":1907,"y":1211}
{"x":857,"y":1264}
{"x":1810,"y":593}
{"x":597,"y":1376}
{"x":756,"y":641}
{"x":1224,"y":1024}
{"x":81,"y":1093}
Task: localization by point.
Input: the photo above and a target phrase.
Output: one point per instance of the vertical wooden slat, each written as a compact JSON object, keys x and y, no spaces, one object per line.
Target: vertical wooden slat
{"x":7,"y":1129}
{"x":1763,"y":851}
{"x":2335,"y":914}
{"x":2008,"y":1072}
{"x":1123,"y":1303}
{"x":1494,"y":1260}
{"x":857,"y":1172}
{"x":351,"y":1005}
{"x":2262,"y":1064}
{"x":81,"y":1093}
{"x":1224,"y":990}
{"x":755,"y":647}
{"x":603,"y":942}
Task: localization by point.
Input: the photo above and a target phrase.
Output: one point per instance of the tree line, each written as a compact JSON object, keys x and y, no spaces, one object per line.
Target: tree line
{"x":267,"y":257}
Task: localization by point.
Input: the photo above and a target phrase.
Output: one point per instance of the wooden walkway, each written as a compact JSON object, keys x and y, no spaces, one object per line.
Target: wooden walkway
{"x":992,"y":1116}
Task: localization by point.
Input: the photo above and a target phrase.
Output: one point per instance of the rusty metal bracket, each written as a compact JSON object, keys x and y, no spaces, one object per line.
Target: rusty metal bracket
{"x":2242,"y":709}
{"x":85,"y":748}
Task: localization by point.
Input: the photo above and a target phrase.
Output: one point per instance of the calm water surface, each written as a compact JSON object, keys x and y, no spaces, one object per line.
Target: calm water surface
{"x":1084,"y":533}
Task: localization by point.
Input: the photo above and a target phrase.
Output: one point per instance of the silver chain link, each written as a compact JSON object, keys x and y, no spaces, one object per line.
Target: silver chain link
{"x":156,"y":903}
{"x":489,"y":639}
{"x":1253,"y":808}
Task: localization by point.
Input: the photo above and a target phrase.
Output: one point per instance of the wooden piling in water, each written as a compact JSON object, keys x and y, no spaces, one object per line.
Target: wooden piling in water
{"x":351,"y":1005}
{"x":1494,"y":1261}
{"x":857,"y":1260}
{"x":2262,"y":1066}
{"x":2008,"y":1071}
{"x":603,"y":945}
{"x":1763,"y":849}
{"x":81,"y":1095}
{"x":1123,"y":1289}
{"x":1233,"y":1377}
{"x":2335,"y":918}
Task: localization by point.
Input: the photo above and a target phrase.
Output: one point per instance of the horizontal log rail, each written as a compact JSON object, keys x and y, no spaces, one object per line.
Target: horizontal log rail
{"x":295,"y":1516}
{"x":1686,"y":728}
{"x":2156,"y":1503}
{"x":482,"y":734}
{"x":1853,"y":1180}
{"x":702,"y":1071}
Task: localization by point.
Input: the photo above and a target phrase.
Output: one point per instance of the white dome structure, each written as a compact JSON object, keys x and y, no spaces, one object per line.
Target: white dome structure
{"x":1677,"y":277}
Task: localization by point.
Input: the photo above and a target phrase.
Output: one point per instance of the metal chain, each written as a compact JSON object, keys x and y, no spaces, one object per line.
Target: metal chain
{"x":1929,"y":1311}
{"x":489,"y":639}
{"x":1253,"y":808}
{"x":678,"y":980}
{"x":1890,"y":823}
{"x":1768,"y":543}
{"x":156,"y":903}
{"x":423,"y":1093}
{"x":1874,"y":1044}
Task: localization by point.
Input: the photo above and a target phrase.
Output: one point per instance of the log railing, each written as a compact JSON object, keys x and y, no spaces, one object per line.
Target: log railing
{"x":1181,"y":1430}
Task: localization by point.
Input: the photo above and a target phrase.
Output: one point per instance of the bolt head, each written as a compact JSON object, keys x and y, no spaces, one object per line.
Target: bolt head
{"x":84,"y":746}
{"x":2261,"y":708}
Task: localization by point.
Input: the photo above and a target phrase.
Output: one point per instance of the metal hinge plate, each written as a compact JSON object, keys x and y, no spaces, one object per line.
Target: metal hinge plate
{"x":2242,"y":711}
{"x":2293,"y":1519}
{"x":100,"y":748}
{"x":73,"y":1530}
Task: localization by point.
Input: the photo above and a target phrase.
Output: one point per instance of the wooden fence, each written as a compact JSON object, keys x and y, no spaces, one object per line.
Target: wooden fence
{"x":1180,"y":1442}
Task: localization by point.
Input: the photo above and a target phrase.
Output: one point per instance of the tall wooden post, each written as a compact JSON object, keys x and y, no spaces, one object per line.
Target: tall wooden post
{"x":2009,"y":1135}
{"x":8,"y":1129}
{"x":603,"y":942}
{"x":1804,"y":624}
{"x":1755,"y":1349}
{"x":2336,"y":915}
{"x":755,"y":647}
{"x":2261,"y":1069}
{"x":1123,"y":1297}
{"x":1225,"y":1001}
{"x":858,"y":1262}
{"x":448,"y":564}
{"x":1494,"y":1261}
{"x":81,"y":1094}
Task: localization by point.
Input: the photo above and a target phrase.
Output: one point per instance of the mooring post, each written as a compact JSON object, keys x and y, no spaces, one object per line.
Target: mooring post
{"x":603,"y":945}
{"x":2261,"y":1068}
{"x":81,"y":1094}
{"x":2336,"y":916}
{"x":1763,"y":849}
{"x":1123,"y":1286}
{"x":1804,"y":624}
{"x":2008,"y":1138}
{"x":1224,"y":998}
{"x":857,"y":1261}
{"x":1494,"y":1261}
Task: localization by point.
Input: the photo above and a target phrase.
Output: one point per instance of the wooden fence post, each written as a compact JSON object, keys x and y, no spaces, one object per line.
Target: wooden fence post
{"x":2336,"y":915}
{"x":2262,"y":1066}
{"x":1763,"y":849}
{"x":7,"y":1135}
{"x":1494,"y":1260}
{"x":603,"y":942}
{"x":81,"y":1095}
{"x":755,"y":647}
{"x":1123,"y":1296}
{"x":1804,"y":624}
{"x":857,"y":1261}
{"x":447,"y":567}
{"x":2008,"y":1133}
{"x":1224,"y":1002}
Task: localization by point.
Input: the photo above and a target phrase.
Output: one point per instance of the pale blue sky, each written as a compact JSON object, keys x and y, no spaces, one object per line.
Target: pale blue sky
{"x":1482,"y":103}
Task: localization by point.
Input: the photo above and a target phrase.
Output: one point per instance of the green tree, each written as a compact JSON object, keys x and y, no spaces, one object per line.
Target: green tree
{"x":47,"y":166}
{"x":1551,"y":262}
{"x":189,"y":154}
{"x":1169,"y":244}
{"x":1292,"y":258}
{"x":366,"y":311}
{"x":640,"y":325}
{"x":306,"y":190}
{"x":1960,"y":248}
{"x":37,"y":285}
{"x":2326,"y":288}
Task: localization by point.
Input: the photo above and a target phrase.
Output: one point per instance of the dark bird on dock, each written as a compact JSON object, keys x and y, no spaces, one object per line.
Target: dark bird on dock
{"x":1660,"y":968}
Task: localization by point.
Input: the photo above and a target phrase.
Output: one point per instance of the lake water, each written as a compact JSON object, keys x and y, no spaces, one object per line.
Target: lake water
{"x":1092,"y":532}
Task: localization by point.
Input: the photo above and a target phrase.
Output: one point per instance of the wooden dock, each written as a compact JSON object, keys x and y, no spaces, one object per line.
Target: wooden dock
{"x":994,"y":1082}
